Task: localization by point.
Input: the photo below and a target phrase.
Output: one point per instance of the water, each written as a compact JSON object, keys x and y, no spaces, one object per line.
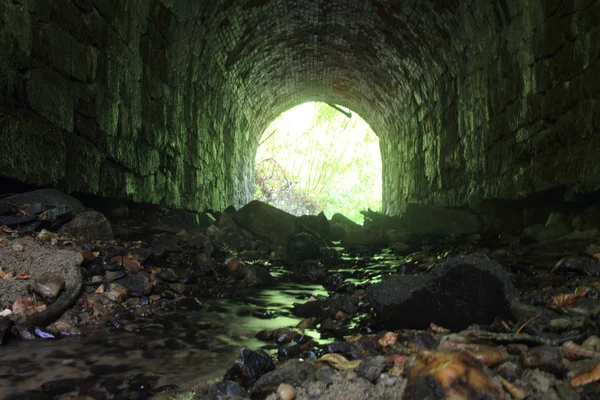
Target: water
{"x":170,"y":348}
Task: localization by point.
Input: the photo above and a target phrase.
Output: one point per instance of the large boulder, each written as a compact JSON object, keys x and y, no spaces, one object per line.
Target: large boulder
{"x":422,"y":219}
{"x":462,"y":291}
{"x":90,"y":225}
{"x":37,"y":260}
{"x":266,"y":221}
{"x":49,"y":197}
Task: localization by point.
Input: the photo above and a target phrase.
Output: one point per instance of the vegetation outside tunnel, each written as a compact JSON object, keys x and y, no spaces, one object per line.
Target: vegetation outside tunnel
{"x":315,"y":158}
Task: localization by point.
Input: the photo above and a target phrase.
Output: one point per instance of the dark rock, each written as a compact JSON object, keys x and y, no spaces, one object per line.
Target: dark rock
{"x":341,"y":348}
{"x":327,"y":307}
{"x":175,"y":259}
{"x":370,"y":368}
{"x":164,"y":245}
{"x":90,"y":225}
{"x":49,"y":286}
{"x":255,"y":275}
{"x":137,"y":284}
{"x":226,"y":390}
{"x":464,"y":290}
{"x":546,"y":358}
{"x":310,"y":271}
{"x":582,"y":266}
{"x":5,"y":325}
{"x":204,"y":263}
{"x":12,"y":221}
{"x":250,"y":367}
{"x":428,"y":220}
{"x":425,"y":387}
{"x":303,"y":246}
{"x":289,"y":350}
{"x":313,"y":224}
{"x":266,"y":221}
{"x":176,"y":221}
{"x":112,"y":276}
{"x":292,"y":372}
{"x":96,"y":269}
{"x":51,"y":197}
{"x":167,"y":276}
{"x":57,"y":215}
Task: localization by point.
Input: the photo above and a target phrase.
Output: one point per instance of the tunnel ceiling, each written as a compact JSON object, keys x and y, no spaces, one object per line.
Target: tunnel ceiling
{"x":164,"y":101}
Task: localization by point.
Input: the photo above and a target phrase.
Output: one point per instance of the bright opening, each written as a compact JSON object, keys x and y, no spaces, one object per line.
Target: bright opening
{"x":319,"y":157}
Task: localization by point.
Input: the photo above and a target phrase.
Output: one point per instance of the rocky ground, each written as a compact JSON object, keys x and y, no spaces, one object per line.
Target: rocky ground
{"x":455,"y":313}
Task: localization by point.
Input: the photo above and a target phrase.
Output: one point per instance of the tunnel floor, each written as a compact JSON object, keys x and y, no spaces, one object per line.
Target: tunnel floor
{"x":178,"y":307}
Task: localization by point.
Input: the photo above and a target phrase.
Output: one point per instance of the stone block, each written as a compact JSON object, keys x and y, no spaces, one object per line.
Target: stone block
{"x":51,"y":95}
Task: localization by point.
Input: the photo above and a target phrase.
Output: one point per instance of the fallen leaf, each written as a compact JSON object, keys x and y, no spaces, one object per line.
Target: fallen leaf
{"x":388,"y":339}
{"x":17,"y":247}
{"x":96,"y":253}
{"x":153,"y":298}
{"x":100,"y":289}
{"x":397,"y":358}
{"x":338,"y":361}
{"x":352,"y":339}
{"x":515,"y":392}
{"x":396,"y":370}
{"x":587,"y":377}
{"x":21,"y":276}
{"x":573,"y":352}
{"x":435,"y":329}
{"x":565,"y":301}
{"x":27,"y":306}
{"x":127,"y":263}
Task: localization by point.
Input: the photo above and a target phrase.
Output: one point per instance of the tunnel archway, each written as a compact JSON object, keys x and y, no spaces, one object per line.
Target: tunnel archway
{"x":319,"y":157}
{"x":164,"y":102}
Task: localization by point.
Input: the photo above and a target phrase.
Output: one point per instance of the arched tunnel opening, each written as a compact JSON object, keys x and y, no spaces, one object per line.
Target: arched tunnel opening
{"x":319,"y":157}
{"x":128,"y":136}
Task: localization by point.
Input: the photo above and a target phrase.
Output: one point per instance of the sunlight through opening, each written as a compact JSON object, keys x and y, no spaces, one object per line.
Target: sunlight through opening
{"x":319,"y":157}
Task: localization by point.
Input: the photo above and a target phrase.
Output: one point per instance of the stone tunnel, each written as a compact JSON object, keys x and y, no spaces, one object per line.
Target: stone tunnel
{"x":164,"y":101}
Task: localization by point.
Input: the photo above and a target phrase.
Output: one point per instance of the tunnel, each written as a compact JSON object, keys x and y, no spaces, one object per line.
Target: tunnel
{"x":164,"y":102}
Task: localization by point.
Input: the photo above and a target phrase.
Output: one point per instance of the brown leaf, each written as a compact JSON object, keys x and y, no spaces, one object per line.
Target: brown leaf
{"x":388,"y":339}
{"x":397,"y":358}
{"x":515,"y":392}
{"x":582,"y":291}
{"x":396,"y":370}
{"x":565,"y":301}
{"x":22,"y":276}
{"x":96,"y":253}
{"x":499,"y":322}
{"x":3,"y":240}
{"x":338,"y":361}
{"x":435,"y":329}
{"x":572,"y":351}
{"x":352,"y":339}
{"x":341,"y":316}
{"x":27,"y":306}
{"x":153,"y":298}
{"x":127,"y":263}
{"x":2,"y":273}
{"x":587,"y":377}
{"x":100,"y":289}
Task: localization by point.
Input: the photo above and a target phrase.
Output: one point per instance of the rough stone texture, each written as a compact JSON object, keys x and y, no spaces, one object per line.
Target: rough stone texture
{"x":164,"y":101}
{"x":36,"y":259}
{"x":89,"y":225}
{"x":464,"y":290}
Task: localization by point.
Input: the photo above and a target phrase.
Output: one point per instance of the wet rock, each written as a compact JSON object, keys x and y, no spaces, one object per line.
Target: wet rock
{"x":289,"y":350}
{"x":509,"y":371}
{"x":582,"y":266}
{"x":255,"y":275}
{"x":177,"y":220}
{"x":226,"y":390}
{"x":49,"y":286}
{"x":175,"y":259}
{"x":545,"y":358}
{"x":428,"y":220}
{"x":90,"y":225}
{"x":310,"y":271}
{"x":112,"y":276}
{"x":540,"y":381}
{"x":51,"y":197}
{"x":204,"y":264}
{"x":313,"y":224}
{"x":117,"y":293}
{"x":266,"y":221}
{"x":250,"y":367}
{"x":371,"y":367}
{"x":164,"y":245}
{"x":137,"y":284}
{"x":167,"y":276}
{"x":5,"y":324}
{"x":464,"y":290}
{"x":292,"y":372}
{"x":286,"y":392}
{"x":326,"y":307}
{"x":303,"y":246}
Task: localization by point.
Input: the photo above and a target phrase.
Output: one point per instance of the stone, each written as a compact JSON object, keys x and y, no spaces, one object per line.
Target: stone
{"x":266,"y":221}
{"x":423,"y":219}
{"x":255,"y":275}
{"x":226,"y":390}
{"x":464,"y":290}
{"x":137,"y":284}
{"x":5,"y":324}
{"x":117,"y":293}
{"x":49,"y":286}
{"x":36,"y":259}
{"x":89,"y":225}
{"x":43,"y":200}
{"x":545,"y":358}
{"x":314,"y":224}
{"x":303,"y":246}
{"x":371,"y":367}
{"x":292,"y":372}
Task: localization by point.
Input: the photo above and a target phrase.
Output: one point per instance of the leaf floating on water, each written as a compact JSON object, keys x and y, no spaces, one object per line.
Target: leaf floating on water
{"x":339,"y":362}
{"x":588,"y":377}
{"x":515,"y":392}
{"x":574,"y":352}
{"x":435,"y":329}
{"x":388,"y":339}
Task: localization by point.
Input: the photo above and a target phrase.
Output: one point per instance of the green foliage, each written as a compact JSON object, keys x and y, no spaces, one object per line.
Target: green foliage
{"x":314,"y":158}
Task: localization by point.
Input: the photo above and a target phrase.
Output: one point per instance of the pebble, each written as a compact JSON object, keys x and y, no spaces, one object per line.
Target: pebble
{"x":117,"y":293}
{"x":49,"y":286}
{"x":286,"y":392}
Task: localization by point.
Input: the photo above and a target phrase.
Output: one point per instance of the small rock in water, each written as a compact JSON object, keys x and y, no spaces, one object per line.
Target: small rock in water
{"x":90,"y":225}
{"x":49,"y":286}
{"x":302,"y":247}
{"x":117,"y":293}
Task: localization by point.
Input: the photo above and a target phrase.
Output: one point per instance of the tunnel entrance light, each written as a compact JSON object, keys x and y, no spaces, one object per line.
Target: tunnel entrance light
{"x":319,"y":157}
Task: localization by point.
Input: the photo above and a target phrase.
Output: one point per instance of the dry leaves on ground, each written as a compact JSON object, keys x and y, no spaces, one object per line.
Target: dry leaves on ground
{"x":338,"y":361}
{"x":27,"y":306}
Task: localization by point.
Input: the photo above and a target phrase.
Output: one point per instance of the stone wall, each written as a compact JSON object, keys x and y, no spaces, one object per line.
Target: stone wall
{"x":164,"y":101}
